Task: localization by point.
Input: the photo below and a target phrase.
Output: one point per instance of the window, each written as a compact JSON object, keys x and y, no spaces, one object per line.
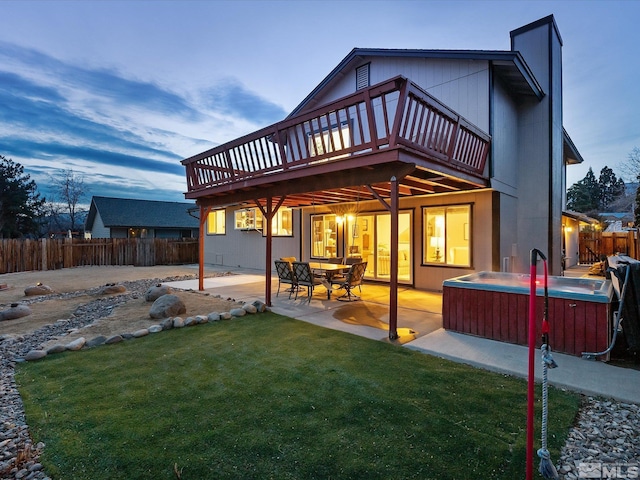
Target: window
{"x":216,"y":223}
{"x":330,"y":140}
{"x":281,"y":224}
{"x":324,"y":236}
{"x":447,"y":235}
{"x":137,"y":232}
{"x":248,"y":219}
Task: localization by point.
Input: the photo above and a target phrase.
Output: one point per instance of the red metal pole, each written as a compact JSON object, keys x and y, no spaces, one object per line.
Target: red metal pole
{"x":531,"y":380}
{"x":532,"y":348}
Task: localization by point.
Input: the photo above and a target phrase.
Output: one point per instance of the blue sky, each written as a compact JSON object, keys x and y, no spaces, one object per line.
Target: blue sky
{"x":121,"y":91}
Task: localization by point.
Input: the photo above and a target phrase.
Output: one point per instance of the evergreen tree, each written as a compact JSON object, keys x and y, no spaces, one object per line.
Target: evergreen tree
{"x":583,"y":196}
{"x":20,"y":202}
{"x":610,"y":189}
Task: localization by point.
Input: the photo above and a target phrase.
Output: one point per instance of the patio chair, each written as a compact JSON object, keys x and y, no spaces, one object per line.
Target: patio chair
{"x":336,"y":260}
{"x":285,"y":276}
{"x":352,"y":279}
{"x":352,"y":260}
{"x":305,"y":278}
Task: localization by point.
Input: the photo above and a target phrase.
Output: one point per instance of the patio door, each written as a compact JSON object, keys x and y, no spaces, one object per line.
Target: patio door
{"x":369,"y":236}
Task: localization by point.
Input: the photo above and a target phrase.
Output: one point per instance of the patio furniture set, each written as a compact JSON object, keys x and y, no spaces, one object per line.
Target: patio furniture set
{"x":330,"y":273}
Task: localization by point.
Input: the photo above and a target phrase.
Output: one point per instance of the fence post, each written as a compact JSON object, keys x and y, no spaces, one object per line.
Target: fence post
{"x":43,"y":247}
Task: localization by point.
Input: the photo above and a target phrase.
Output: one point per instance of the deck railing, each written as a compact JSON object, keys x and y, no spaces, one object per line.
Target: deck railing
{"x":388,"y":115}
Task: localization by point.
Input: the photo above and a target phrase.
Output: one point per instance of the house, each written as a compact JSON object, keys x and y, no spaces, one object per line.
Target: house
{"x":130,"y":218}
{"x":427,"y":164}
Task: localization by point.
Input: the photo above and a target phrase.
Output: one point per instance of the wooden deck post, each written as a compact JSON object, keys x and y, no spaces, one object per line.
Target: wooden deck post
{"x":393,"y":252}
{"x":204,"y":213}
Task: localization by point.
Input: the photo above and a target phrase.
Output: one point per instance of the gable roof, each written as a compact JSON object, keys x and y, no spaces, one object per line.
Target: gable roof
{"x":127,"y":212}
{"x":510,"y":66}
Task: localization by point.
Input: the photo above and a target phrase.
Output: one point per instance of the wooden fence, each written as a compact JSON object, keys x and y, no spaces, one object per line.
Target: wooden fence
{"x":54,"y":254}
{"x":594,"y":245}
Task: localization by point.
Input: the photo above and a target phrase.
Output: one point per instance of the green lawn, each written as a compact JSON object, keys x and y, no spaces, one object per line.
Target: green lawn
{"x":268,"y":397}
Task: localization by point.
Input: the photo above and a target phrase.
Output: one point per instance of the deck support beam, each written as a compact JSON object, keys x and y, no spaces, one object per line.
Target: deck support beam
{"x":393,"y":251}
{"x":268,"y":211}
{"x":204,"y":213}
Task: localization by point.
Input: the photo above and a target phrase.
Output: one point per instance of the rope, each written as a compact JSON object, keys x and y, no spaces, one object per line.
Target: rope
{"x":547,"y":469}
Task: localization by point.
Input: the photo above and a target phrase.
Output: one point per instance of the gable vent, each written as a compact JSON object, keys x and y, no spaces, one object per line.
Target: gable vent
{"x":362,"y":76}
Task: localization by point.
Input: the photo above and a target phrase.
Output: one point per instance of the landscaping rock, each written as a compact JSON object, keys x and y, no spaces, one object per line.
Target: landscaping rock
{"x":167,"y":324}
{"x":202,"y":319}
{"x":94,"y":342}
{"x":155,"y":328}
{"x":141,"y":333}
{"x":167,"y":306}
{"x":157,"y":291}
{"x":213,"y":317}
{"x":178,"y":322}
{"x":77,"y":344}
{"x":56,"y":349}
{"x":38,"y":289}
{"x":238,"y":312}
{"x":111,"y":288}
{"x":226,"y":316}
{"x":260,"y":306}
{"x":17,"y":310}
{"x":190,"y":321}
{"x":114,"y":339}
{"x":249,"y":308}
{"x":35,"y":355}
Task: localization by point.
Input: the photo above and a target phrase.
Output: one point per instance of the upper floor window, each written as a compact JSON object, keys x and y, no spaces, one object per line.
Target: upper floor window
{"x":216,"y":223}
{"x":446,"y":235}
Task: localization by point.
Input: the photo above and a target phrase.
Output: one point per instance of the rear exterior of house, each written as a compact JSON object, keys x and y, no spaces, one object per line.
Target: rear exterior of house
{"x":453,"y":217}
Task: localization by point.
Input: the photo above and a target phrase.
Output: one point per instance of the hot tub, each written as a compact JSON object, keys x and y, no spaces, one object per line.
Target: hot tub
{"x":495,"y":305}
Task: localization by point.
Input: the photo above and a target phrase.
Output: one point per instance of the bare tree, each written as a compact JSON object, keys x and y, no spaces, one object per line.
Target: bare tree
{"x":69,"y":191}
{"x":631,"y":168}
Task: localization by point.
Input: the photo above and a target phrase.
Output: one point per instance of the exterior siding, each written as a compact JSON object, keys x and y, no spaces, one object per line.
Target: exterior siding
{"x":462,"y":85}
{"x":98,"y":230}
{"x":540,"y":153}
{"x":247,"y":249}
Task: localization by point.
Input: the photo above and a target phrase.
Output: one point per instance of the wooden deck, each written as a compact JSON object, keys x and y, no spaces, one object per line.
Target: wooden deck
{"x":393,"y":129}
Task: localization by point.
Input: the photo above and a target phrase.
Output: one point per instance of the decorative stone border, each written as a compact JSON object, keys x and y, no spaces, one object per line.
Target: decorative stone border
{"x":166,"y":324}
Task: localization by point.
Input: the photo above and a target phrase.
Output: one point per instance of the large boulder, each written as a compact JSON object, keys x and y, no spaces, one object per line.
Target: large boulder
{"x":157,"y":291}
{"x":17,"y":310}
{"x":167,"y":306}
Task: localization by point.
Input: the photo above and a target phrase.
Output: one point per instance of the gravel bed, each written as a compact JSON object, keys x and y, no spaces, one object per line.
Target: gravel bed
{"x":606,"y":434}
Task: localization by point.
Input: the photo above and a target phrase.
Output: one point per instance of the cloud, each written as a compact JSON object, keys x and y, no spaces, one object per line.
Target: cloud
{"x":125,"y":136}
{"x":232,"y":98}
{"x":102,"y":83}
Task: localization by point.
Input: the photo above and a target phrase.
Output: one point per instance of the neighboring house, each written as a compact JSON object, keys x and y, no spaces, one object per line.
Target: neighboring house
{"x":428,"y":164}
{"x":617,"y":221}
{"x":128,"y":218}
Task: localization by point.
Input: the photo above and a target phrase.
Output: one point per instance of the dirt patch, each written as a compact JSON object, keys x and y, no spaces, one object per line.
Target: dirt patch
{"x":128,"y":316}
